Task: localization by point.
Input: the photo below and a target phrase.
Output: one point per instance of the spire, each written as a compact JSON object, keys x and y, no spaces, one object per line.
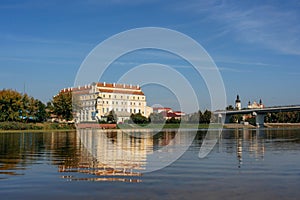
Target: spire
{"x":237,"y":99}
{"x":260,"y":102}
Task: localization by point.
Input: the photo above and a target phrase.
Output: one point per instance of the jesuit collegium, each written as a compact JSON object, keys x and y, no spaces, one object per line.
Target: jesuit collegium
{"x":95,"y":101}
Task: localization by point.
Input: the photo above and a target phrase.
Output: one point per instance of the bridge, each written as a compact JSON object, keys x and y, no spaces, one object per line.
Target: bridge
{"x":260,"y":113}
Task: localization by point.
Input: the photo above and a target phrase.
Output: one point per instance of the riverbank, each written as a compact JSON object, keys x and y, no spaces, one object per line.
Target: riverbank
{"x":235,"y":125}
{"x":282,"y":125}
{"x":168,"y":126}
{"x":46,"y":126}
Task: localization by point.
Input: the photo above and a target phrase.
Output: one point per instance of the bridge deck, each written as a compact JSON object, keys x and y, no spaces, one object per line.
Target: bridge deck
{"x":260,"y":110}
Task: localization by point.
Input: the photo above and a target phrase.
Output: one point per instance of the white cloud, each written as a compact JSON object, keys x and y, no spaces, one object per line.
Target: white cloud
{"x":272,"y":26}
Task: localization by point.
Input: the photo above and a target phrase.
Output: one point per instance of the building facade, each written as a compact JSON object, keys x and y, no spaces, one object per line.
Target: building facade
{"x":94,"y":102}
{"x":255,"y":105}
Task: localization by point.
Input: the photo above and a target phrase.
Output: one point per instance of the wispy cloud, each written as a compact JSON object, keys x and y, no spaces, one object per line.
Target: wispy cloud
{"x":272,"y":25}
{"x":235,"y":61}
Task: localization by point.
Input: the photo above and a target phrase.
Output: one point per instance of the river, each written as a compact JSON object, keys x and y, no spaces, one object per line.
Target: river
{"x":96,"y":164}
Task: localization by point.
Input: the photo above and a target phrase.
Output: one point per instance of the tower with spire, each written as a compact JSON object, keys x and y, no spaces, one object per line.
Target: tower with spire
{"x":238,"y":104}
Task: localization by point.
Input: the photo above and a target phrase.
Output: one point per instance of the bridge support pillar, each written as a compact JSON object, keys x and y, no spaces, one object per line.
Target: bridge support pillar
{"x":260,"y":118}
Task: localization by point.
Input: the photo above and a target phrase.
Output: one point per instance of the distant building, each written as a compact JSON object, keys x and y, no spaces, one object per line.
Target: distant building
{"x":255,"y":105}
{"x":161,"y":109}
{"x":93,"y":102}
{"x":238,"y":104}
{"x":168,"y":113}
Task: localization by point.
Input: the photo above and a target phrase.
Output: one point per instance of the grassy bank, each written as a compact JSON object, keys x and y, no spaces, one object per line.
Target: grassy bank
{"x":168,"y":126}
{"x":21,"y":126}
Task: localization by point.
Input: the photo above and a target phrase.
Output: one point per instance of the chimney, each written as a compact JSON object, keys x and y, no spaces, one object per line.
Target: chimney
{"x":104,"y":84}
{"x":114,"y":84}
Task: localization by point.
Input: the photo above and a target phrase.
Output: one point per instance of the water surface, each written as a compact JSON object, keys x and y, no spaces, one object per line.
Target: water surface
{"x":94,"y":164}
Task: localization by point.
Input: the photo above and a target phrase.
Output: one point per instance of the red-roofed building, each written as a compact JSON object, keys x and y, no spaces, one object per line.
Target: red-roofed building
{"x":168,"y":113}
{"x":96,"y":100}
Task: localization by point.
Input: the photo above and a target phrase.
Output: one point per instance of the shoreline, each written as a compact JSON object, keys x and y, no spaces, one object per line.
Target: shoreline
{"x":171,"y":126}
{"x":37,"y":131}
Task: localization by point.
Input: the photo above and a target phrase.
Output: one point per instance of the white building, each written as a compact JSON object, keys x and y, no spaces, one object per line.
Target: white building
{"x":94,"y":101}
{"x":255,"y":105}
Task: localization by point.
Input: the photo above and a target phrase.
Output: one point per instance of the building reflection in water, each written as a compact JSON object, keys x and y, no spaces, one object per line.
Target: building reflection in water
{"x":113,"y":154}
{"x":250,"y":141}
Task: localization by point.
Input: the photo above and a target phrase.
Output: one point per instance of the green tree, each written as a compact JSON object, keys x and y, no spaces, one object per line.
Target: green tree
{"x":62,"y":105}
{"x":11,"y":105}
{"x":41,"y":115}
{"x":172,"y":120}
{"x":206,"y":117}
{"x":230,"y":107}
{"x":156,"y":118}
{"x":235,"y":118}
{"x":138,"y":118}
{"x":111,"y":117}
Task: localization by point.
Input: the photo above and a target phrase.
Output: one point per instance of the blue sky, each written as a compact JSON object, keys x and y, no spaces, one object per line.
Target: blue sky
{"x":255,"y":44}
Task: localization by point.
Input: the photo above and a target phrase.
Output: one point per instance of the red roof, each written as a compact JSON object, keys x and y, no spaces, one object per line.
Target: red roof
{"x":162,"y":108}
{"x":118,"y":85}
{"x":107,"y":87}
{"x":169,"y":114}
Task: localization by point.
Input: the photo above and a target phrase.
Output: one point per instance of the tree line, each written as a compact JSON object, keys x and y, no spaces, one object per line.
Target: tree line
{"x":280,"y":117}
{"x":158,"y":118}
{"x":18,"y":107}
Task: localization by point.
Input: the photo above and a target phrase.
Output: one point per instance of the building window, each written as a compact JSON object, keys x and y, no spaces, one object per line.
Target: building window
{"x":134,"y":110}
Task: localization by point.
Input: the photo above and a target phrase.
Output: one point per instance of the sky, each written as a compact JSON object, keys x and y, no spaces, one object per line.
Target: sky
{"x":255,"y":45}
